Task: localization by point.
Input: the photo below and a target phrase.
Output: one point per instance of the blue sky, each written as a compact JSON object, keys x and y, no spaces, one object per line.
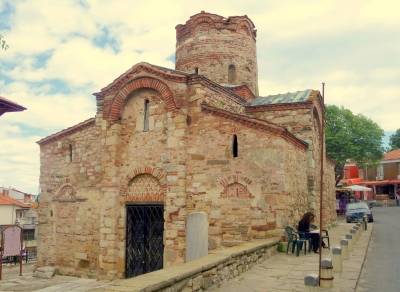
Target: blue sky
{"x":60,"y":52}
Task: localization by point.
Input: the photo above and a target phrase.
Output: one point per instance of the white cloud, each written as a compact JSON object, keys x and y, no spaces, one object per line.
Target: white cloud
{"x":351,"y":46}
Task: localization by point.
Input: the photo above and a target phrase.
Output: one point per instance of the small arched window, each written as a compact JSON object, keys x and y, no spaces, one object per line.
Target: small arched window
{"x":196,"y":70}
{"x":231,"y":74}
{"x":70,"y":153}
{"x":235,"y":146}
{"x":146,"y":115}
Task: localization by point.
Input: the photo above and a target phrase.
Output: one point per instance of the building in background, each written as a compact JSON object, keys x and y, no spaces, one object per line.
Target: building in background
{"x":13,"y":212}
{"x":19,"y":195}
{"x":7,"y":106}
{"x":384,"y":179}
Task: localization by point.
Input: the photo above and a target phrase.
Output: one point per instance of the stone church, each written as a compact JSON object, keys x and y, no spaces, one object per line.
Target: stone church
{"x":117,"y":189}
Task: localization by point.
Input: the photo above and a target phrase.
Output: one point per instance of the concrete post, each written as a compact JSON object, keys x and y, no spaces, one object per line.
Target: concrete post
{"x":349,"y":238}
{"x":326,"y":280}
{"x":311,"y":282}
{"x":353,"y":233}
{"x":337,"y":259}
{"x":360,"y":229}
{"x":356,"y":229}
{"x":345,"y":249}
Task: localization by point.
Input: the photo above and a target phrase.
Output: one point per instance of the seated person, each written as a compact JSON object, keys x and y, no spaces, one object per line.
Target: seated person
{"x":304,"y":226}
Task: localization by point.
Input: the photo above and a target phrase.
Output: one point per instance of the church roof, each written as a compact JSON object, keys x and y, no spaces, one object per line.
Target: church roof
{"x":171,"y":70}
{"x":256,"y":124}
{"x":171,"y":74}
{"x":290,"y":97}
{"x":68,"y":131}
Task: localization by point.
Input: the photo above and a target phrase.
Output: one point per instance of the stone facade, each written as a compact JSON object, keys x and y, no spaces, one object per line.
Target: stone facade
{"x":186,"y":142}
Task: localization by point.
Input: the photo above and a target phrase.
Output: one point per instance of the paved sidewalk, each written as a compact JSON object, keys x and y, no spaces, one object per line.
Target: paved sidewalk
{"x":279,"y":273}
{"x":11,"y":281}
{"x":286,"y":272}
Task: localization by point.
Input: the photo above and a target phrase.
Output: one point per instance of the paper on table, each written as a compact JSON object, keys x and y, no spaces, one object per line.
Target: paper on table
{"x":315,"y":231}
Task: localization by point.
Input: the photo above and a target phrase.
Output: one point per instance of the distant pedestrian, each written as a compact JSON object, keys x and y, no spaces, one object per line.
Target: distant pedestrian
{"x":398,"y":198}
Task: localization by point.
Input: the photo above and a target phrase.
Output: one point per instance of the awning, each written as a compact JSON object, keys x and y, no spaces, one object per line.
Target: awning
{"x":359,"y":189}
{"x":343,"y":189}
{"x":352,"y":181}
{"x":394,"y":182}
{"x":376,"y":182}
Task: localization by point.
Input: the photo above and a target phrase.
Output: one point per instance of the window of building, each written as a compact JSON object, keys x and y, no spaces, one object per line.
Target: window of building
{"x":29,"y":235}
{"x":146,"y":115}
{"x":70,"y":153}
{"x":235,"y":146}
{"x":196,"y":70}
{"x":379,"y":170}
{"x":231,"y":74}
{"x":398,"y":168}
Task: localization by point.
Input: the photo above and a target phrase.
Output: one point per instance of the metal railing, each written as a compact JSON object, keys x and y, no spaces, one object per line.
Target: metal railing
{"x":27,"y":257}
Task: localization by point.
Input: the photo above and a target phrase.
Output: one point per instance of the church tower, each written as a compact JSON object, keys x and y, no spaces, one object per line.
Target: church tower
{"x":222,"y":49}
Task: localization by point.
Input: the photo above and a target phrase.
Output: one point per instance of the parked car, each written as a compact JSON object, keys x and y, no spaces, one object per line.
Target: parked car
{"x":357,"y":210}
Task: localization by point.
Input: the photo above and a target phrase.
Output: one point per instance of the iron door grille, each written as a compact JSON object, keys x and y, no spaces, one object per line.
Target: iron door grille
{"x":144,"y":239}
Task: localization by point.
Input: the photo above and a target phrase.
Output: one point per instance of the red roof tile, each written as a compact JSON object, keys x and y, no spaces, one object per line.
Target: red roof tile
{"x":6,"y":200}
{"x":395,"y":154}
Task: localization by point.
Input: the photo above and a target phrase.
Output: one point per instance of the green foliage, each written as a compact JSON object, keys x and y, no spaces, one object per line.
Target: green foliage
{"x":281,"y":247}
{"x":394,"y":140}
{"x":354,"y":137}
{"x":3,"y":43}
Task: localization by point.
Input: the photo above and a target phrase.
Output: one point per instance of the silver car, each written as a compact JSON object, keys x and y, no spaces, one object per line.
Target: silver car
{"x":354,"y":211}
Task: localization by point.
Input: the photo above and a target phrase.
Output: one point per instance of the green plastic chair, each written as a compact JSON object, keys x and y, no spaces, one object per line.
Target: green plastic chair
{"x":304,"y":235}
{"x":324,"y":236}
{"x":295,"y":240}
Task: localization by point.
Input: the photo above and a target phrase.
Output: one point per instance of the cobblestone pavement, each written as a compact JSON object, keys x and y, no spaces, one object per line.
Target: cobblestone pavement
{"x":286,"y":272}
{"x":279,"y":273}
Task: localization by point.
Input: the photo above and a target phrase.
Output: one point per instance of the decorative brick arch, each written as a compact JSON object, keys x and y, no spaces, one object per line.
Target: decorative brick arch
{"x":67,"y":192}
{"x":142,"y":82}
{"x":203,"y":19}
{"x":136,"y":171}
{"x":235,"y":179}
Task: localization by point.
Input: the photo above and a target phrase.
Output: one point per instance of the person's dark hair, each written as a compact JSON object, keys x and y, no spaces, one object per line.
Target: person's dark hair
{"x":307,"y":216}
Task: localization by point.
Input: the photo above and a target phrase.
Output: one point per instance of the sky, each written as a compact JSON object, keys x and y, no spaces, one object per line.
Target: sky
{"x":60,"y":52}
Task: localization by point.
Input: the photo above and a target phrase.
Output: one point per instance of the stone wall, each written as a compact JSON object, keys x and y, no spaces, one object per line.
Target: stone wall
{"x":206,"y":273}
{"x":214,"y":95}
{"x":69,"y":211}
{"x":304,"y":121}
{"x":265,"y":182}
{"x":131,"y":151}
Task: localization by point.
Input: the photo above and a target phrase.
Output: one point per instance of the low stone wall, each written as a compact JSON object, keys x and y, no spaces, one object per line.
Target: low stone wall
{"x":204,"y":274}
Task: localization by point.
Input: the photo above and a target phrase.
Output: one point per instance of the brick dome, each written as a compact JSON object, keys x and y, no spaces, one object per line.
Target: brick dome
{"x":222,"y":49}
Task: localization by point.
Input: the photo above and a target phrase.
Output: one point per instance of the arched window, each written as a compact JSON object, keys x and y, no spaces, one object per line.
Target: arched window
{"x":146,"y":115}
{"x":235,"y":147}
{"x":231,"y":74}
{"x":196,"y":70}
{"x":70,"y":153}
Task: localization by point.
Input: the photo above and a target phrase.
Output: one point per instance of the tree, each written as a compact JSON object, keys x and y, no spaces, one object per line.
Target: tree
{"x":354,"y":137}
{"x":394,"y":140}
{"x":3,"y":43}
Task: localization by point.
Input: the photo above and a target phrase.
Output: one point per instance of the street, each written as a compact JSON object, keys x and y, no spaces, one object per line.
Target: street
{"x":381,"y":267}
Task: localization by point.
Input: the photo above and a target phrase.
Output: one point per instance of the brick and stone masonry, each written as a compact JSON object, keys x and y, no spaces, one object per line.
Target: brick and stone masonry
{"x":185,"y":139}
